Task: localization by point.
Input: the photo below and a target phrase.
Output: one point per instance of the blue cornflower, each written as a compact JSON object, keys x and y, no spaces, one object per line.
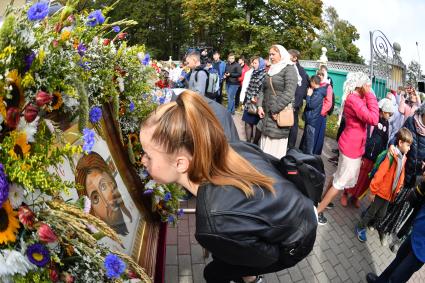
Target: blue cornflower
{"x":38,"y":11}
{"x":180,"y":212}
{"x":88,"y":137}
{"x":95,"y":18}
{"x":114,"y":266}
{"x":38,"y":254}
{"x":146,"y":60}
{"x":148,"y":192}
{"x":4,"y":186}
{"x":95,"y":114}
{"x":131,"y":106}
{"x":81,"y":49}
{"x":28,"y":60}
{"x":116,"y":29}
{"x":85,"y":65}
{"x":167,"y":196}
{"x":161,"y":100}
{"x":170,"y":219}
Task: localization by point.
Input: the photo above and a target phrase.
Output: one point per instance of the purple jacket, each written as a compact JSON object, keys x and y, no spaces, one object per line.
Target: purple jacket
{"x":358,"y":112}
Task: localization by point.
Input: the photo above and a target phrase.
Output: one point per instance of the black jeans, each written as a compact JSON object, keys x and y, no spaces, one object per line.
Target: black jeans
{"x":293,"y":132}
{"x":403,"y":266}
{"x":218,"y":271}
{"x":376,"y":211}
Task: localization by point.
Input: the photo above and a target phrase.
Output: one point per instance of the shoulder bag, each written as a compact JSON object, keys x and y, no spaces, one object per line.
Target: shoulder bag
{"x":285,"y":118}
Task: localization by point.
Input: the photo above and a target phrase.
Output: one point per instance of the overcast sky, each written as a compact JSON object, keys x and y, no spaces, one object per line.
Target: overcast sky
{"x":401,"y":21}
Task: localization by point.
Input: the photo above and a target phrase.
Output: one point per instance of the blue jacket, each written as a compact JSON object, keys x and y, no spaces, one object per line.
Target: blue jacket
{"x":220,"y":66}
{"x":314,"y":105}
{"x":416,"y":154}
{"x":418,"y":235}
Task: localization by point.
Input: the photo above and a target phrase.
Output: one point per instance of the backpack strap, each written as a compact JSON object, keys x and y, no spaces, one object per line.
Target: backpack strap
{"x":208,"y":76}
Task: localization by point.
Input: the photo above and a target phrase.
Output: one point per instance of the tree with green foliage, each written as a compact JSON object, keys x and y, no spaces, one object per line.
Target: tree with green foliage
{"x":414,"y":73}
{"x":338,"y":37}
{"x":170,"y":27}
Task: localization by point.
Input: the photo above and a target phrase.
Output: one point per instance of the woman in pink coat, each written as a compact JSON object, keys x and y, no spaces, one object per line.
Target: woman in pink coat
{"x":360,"y":109}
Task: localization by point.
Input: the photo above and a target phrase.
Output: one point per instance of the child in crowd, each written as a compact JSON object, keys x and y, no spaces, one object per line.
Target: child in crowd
{"x":386,"y":182}
{"x":312,"y":116}
{"x":377,"y":140}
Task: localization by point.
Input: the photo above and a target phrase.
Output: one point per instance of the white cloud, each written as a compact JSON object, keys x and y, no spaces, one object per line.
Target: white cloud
{"x":400,"y":21}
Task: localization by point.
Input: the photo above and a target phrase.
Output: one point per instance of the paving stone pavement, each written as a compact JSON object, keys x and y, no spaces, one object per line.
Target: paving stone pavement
{"x":337,"y":255}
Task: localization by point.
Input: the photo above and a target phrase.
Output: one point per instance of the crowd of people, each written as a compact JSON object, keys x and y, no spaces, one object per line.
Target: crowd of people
{"x":381,"y":150}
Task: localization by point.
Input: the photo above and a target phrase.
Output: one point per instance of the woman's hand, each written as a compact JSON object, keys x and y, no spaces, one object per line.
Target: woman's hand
{"x":392,"y":150}
{"x":260,"y":112}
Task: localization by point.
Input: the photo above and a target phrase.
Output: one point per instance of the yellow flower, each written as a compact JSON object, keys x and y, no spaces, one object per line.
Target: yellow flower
{"x":2,"y":108}
{"x":57,"y":100}
{"x":14,"y":80}
{"x":9,"y":224}
{"x":41,"y":55}
{"x":65,"y":35}
{"x":20,"y":148}
{"x":28,"y":81}
{"x":9,"y":50}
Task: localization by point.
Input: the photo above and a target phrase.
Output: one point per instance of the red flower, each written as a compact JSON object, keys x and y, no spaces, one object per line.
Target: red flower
{"x":131,"y":274}
{"x":12,"y":117}
{"x":53,"y":274}
{"x":46,"y":234}
{"x":42,"y":98}
{"x":26,"y":216}
{"x":58,"y":27}
{"x":106,"y":41}
{"x":121,"y":35}
{"x":30,"y":113}
{"x":67,"y":278}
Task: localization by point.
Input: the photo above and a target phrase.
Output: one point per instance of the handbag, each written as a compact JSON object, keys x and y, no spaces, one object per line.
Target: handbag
{"x":251,"y":108}
{"x":285,"y":118}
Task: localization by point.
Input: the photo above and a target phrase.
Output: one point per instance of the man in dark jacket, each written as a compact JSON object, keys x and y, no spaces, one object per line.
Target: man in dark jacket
{"x":198,"y":75}
{"x":220,"y":67}
{"x":232,"y":74}
{"x":300,"y":94}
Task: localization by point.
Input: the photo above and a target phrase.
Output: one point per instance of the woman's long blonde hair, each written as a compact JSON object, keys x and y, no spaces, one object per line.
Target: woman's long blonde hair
{"x":190,"y":124}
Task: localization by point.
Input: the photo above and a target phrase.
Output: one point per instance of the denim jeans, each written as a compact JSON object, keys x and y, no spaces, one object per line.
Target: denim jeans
{"x":231,"y":93}
{"x":403,"y":266}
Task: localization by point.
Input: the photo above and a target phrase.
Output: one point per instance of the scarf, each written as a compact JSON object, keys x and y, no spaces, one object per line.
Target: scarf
{"x":420,"y":127}
{"x":284,"y":61}
{"x":255,"y":83}
{"x":399,"y":168}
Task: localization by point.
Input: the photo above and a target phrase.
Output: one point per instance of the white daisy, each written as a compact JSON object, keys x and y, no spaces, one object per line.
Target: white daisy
{"x":28,"y":128}
{"x":16,"y":195}
{"x":4,"y":270}
{"x":17,"y":262}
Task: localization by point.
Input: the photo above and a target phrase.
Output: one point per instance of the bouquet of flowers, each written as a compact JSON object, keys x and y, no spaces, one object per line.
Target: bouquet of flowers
{"x":56,"y":69}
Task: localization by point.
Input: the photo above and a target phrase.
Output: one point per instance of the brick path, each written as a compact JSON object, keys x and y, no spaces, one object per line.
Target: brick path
{"x":337,"y":255}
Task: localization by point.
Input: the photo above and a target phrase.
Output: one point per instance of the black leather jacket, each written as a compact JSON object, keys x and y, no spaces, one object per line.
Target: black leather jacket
{"x":257,"y":231}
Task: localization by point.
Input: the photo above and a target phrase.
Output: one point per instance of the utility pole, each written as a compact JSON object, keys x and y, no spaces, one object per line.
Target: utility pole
{"x":419,"y":62}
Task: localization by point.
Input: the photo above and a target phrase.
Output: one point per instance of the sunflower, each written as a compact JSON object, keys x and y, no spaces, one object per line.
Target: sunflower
{"x":18,"y":98}
{"x":21,"y":147}
{"x":9,"y":224}
{"x":2,"y":108}
{"x":57,"y":100}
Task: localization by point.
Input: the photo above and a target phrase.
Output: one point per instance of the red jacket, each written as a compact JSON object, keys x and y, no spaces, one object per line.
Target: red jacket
{"x":358,"y":112}
{"x":245,"y":69}
{"x":382,"y":182}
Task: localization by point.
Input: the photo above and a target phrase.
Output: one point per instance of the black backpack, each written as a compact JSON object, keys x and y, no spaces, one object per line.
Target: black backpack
{"x":306,"y":171}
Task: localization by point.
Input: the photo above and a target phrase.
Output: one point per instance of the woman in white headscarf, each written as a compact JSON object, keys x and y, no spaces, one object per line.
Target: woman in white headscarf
{"x":360,"y":108}
{"x":277,"y":93}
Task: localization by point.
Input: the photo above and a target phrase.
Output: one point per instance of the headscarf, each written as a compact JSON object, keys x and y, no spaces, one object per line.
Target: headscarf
{"x":353,"y":81}
{"x":285,"y":60}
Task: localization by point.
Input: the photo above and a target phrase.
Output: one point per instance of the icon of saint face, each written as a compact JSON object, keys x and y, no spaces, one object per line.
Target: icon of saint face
{"x":105,"y":199}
